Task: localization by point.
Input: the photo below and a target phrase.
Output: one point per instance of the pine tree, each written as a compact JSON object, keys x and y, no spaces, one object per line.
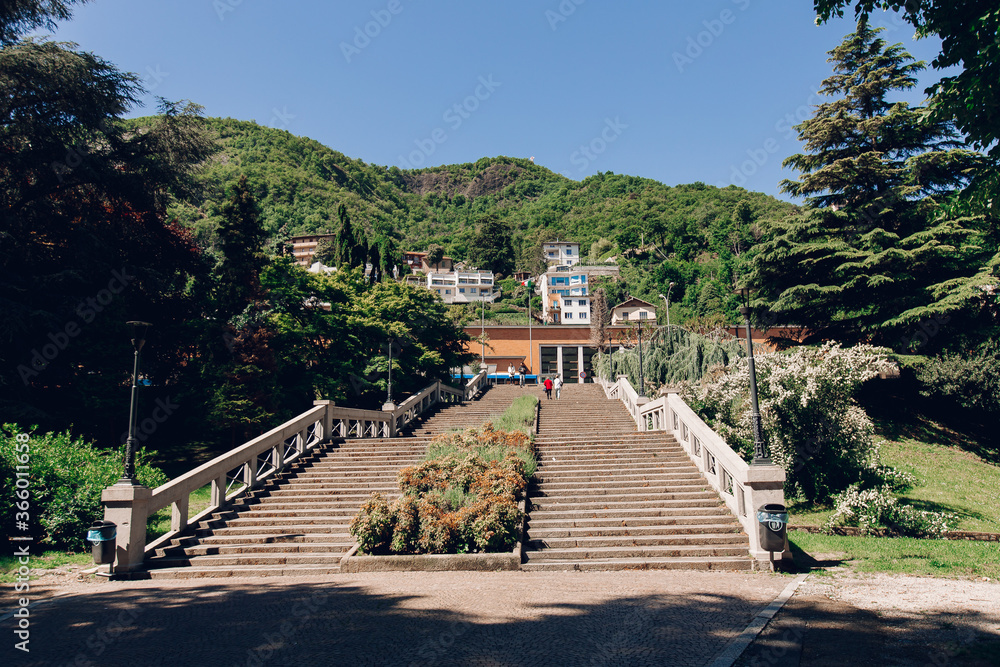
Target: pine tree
{"x":875,"y":251}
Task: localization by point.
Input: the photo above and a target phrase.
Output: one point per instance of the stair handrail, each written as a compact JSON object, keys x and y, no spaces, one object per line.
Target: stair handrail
{"x":241,"y":469}
{"x":743,"y":487}
{"x":476,"y":384}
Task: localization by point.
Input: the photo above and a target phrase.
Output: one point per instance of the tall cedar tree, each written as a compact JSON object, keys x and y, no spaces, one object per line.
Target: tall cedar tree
{"x":241,"y":242}
{"x":82,"y":207}
{"x":969,"y":33}
{"x":874,"y":253}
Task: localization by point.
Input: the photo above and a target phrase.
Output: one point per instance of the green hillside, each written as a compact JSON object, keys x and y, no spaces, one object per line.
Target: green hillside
{"x":685,"y":233}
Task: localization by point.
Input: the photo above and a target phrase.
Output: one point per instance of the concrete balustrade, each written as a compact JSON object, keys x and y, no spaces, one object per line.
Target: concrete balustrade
{"x":743,"y":487}
{"x":248,"y":466}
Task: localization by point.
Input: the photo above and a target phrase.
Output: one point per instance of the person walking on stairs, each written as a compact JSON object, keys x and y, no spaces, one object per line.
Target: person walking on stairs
{"x":557,"y":385}
{"x":522,"y":371}
{"x":548,"y":388}
{"x":510,"y":373}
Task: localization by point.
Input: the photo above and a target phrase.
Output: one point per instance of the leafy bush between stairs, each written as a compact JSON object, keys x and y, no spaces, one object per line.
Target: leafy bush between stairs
{"x":461,"y":499}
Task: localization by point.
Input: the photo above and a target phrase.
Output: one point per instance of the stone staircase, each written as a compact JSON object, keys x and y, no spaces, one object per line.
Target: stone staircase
{"x":297,"y":524}
{"x":607,"y":497}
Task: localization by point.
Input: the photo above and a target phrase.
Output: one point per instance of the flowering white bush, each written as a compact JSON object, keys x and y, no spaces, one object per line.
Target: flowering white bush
{"x":875,"y":509}
{"x":814,"y":428}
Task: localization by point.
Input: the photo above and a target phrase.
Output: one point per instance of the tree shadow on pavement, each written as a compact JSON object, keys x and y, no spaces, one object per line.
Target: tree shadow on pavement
{"x":346,"y":623}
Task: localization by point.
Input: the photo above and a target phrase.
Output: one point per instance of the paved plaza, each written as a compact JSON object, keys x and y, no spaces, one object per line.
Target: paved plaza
{"x":672,"y":617}
{"x":405,"y":618}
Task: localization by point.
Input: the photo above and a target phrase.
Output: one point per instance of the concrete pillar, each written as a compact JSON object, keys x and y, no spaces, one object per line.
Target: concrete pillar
{"x":327,"y":418}
{"x":767,"y":485}
{"x":559,"y":362}
{"x":579,"y":364}
{"x":128,"y":507}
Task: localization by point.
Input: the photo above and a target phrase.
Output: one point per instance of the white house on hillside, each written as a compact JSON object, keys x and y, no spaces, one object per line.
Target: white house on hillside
{"x":561,"y":253}
{"x":633,"y":310}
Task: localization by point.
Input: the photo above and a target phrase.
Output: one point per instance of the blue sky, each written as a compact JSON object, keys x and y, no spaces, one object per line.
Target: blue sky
{"x":677,"y":92}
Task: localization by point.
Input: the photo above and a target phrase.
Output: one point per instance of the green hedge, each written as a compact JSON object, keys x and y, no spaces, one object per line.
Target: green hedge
{"x":63,"y":492}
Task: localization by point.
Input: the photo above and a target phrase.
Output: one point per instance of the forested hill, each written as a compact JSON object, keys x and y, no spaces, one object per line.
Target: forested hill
{"x":300,"y":182}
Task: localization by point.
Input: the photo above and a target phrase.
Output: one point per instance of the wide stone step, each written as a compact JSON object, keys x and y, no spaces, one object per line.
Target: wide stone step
{"x":616,"y":520}
{"x":675,"y":551}
{"x":589,"y":491}
{"x":624,"y":535}
{"x":726,"y":563}
{"x":559,"y":504}
{"x":558,"y":480}
{"x":250,"y":549}
{"x":201,"y":571}
{"x":241,"y":560}
{"x":729,"y":539}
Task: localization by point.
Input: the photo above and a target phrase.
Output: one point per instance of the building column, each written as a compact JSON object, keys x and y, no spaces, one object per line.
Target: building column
{"x":579,"y":363}
{"x":559,"y":360}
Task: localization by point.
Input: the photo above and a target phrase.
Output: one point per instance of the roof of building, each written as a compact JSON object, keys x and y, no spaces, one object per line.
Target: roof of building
{"x":633,"y":301}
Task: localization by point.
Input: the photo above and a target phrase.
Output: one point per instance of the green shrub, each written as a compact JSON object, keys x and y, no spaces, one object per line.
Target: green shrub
{"x":970,"y":381}
{"x":462,"y":498}
{"x":67,"y":477}
{"x":814,"y":427}
{"x":373,"y":525}
{"x":497,"y":525}
{"x":407,"y":529}
{"x":876,"y":510}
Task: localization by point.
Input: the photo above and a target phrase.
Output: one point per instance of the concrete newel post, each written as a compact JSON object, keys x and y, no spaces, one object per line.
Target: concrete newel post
{"x":327,"y":418}
{"x":128,"y":507}
{"x":767,"y":485}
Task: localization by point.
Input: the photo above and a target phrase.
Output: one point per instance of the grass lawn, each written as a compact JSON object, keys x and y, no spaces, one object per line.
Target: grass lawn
{"x":159,"y":523}
{"x":45,"y":561}
{"x":957,"y":470}
{"x":903,"y":555}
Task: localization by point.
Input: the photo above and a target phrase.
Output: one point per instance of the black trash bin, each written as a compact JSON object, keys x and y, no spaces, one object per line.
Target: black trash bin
{"x":103,"y":536}
{"x":772,"y":526}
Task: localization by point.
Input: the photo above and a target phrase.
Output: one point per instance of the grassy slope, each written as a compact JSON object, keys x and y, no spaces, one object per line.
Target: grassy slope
{"x":957,"y":466}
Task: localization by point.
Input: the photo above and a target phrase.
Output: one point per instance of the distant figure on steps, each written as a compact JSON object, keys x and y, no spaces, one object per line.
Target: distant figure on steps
{"x":548,"y":388}
{"x":558,"y":385}
{"x":522,"y":371}
{"x":510,"y":373}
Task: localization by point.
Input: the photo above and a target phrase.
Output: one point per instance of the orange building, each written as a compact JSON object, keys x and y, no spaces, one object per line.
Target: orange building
{"x":566,"y":350}
{"x":563,"y":349}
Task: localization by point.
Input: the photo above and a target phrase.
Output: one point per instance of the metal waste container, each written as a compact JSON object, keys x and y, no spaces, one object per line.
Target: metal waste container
{"x":103,"y":536}
{"x":772,"y":527}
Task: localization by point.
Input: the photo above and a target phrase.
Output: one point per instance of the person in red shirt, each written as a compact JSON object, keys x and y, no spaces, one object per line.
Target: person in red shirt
{"x":548,"y":387}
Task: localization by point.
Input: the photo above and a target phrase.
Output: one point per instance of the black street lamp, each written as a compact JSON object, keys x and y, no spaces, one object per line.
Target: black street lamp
{"x":138,"y":340}
{"x":760,"y":454}
{"x":388,"y":391}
